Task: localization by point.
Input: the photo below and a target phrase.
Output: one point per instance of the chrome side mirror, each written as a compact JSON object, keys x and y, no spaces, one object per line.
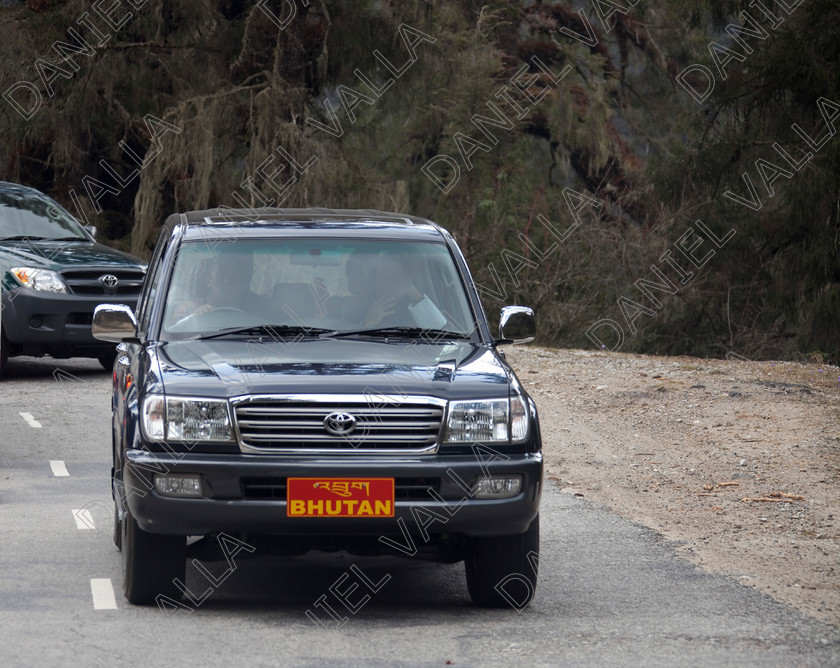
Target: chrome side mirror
{"x":517,"y":325}
{"x":91,"y":230}
{"x":114,"y":323}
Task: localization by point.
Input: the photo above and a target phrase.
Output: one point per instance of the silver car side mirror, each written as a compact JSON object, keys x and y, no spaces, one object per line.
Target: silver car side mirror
{"x":114,"y":323}
{"x":517,"y":325}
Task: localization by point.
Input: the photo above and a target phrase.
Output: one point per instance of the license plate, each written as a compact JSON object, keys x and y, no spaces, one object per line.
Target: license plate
{"x":340,"y":497}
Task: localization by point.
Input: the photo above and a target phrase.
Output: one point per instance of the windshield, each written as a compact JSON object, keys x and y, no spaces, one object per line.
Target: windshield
{"x":318,"y":287}
{"x":29,"y":215}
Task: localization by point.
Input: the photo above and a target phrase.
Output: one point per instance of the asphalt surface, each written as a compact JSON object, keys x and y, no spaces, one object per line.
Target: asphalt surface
{"x":611,"y":593}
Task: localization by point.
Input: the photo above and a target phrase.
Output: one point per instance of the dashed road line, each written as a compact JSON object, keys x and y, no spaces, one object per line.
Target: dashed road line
{"x":84,"y":520}
{"x":30,"y":420}
{"x":103,"y":594}
{"x":58,"y":467}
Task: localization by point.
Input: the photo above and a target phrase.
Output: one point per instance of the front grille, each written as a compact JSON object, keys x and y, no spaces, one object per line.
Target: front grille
{"x":86,"y":282}
{"x":383,"y":425}
{"x":415,"y":488}
{"x":406,"y":489}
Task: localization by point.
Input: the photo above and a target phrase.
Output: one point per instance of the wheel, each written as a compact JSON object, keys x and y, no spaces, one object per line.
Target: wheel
{"x":116,"y":488}
{"x":4,"y":353}
{"x":502,"y":570}
{"x":117,"y":528}
{"x":107,"y":359}
{"x":151,"y":562}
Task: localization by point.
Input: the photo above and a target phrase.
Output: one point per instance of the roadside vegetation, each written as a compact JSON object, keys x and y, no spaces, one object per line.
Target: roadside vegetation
{"x":574,"y":185}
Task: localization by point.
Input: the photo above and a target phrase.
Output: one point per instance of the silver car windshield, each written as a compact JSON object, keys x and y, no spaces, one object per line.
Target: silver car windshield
{"x":337,"y":286}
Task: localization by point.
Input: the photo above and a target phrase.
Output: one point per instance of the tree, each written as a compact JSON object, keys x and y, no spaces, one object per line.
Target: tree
{"x":562,"y":143}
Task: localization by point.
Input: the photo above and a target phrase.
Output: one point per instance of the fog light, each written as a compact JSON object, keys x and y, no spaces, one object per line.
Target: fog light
{"x":498,"y":486}
{"x":178,"y":485}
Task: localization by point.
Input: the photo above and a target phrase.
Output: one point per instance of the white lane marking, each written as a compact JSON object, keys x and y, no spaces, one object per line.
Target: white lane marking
{"x":58,"y":467}
{"x":30,"y":420}
{"x":84,"y":520}
{"x":103,"y":594}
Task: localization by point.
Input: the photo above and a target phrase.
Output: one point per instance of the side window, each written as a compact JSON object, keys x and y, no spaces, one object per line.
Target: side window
{"x":152,"y":283}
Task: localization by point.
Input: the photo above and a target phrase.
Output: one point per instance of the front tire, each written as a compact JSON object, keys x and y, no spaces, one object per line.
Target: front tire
{"x":151,"y":563}
{"x":117,"y":528}
{"x":502,"y":570}
{"x":4,"y":353}
{"x":107,"y":360}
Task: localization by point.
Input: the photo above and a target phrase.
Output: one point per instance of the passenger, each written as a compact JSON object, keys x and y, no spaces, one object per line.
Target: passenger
{"x":383,"y":295}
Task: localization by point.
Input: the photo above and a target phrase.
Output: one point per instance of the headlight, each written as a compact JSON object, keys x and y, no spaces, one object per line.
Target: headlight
{"x":39,"y":279}
{"x":489,"y":420}
{"x":182,"y":419}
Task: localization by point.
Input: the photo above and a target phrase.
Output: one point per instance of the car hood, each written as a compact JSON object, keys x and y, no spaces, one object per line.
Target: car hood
{"x":57,"y":255}
{"x":229,"y":368}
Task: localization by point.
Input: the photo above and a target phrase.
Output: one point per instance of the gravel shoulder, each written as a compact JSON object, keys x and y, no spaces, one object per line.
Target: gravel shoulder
{"x":737,"y":463}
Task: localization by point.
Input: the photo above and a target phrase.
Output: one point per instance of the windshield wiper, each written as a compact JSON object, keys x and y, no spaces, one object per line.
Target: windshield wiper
{"x":430,"y":335}
{"x":70,"y":239}
{"x":23,"y":237}
{"x":279,"y":331}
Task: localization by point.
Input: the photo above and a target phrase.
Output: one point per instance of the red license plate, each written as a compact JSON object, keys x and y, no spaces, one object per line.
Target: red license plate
{"x":340,"y":497}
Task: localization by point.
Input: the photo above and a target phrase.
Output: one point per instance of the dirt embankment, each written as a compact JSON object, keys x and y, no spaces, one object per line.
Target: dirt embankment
{"x":736,"y":462}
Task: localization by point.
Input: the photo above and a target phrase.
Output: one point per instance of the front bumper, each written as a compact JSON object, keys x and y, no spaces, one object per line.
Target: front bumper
{"x":225,"y":508}
{"x":36,"y":322}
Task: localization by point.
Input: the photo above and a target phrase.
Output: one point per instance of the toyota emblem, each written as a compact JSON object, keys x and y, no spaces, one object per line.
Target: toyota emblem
{"x":340,"y":424}
{"x":109,"y":280}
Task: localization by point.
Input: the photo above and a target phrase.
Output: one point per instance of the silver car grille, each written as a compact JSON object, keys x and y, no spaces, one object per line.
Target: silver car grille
{"x":296,"y":424}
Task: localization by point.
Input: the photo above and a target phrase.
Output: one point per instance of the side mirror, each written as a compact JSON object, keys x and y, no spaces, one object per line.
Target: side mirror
{"x":516,"y":325}
{"x":114,"y":323}
{"x":91,"y":230}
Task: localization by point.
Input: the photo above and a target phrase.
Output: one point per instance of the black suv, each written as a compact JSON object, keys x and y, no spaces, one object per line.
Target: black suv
{"x":52,"y":275}
{"x":319,"y":379}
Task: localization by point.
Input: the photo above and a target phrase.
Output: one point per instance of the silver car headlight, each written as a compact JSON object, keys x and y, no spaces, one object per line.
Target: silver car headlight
{"x":186,"y":419}
{"x":39,"y":279}
{"x":499,"y":420}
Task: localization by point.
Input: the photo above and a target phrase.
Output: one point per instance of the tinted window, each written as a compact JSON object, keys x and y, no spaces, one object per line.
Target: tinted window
{"x":337,"y":284}
{"x":152,"y":283}
{"x":28,"y":214}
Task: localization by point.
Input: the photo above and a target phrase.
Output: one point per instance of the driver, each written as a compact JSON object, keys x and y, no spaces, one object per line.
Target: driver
{"x":224,"y":282}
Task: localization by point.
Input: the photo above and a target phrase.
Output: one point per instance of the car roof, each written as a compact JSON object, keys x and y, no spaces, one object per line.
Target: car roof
{"x":255,"y":222}
{"x":20,"y":188}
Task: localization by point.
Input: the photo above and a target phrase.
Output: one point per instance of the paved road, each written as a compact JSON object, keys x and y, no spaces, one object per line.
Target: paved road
{"x":611,"y":593}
